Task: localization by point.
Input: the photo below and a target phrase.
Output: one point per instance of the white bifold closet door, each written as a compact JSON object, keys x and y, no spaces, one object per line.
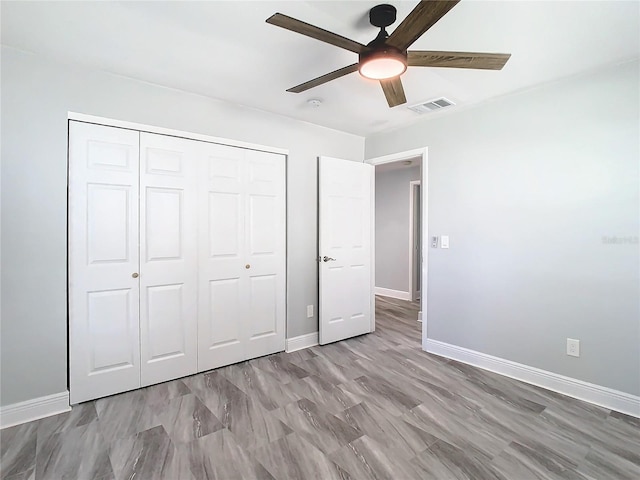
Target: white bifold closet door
{"x":133,"y":259}
{"x":168,"y":257}
{"x":176,"y":257}
{"x":104,"y":341}
{"x":242,"y":255}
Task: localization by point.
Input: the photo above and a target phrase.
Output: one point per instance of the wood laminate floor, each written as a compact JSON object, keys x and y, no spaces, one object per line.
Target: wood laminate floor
{"x":371,"y":407}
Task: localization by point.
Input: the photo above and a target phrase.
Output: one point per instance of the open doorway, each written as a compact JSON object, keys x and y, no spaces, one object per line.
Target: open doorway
{"x":400,"y":223}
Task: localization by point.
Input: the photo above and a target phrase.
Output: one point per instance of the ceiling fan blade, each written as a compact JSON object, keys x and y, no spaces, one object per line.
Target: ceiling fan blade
{"x":394,"y":91}
{"x":421,"y":19}
{"x":312,"y":31}
{"x":324,"y":78}
{"x":483,"y":61}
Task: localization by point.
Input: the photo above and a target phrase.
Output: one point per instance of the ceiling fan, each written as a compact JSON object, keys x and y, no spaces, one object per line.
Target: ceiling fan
{"x":386,"y":57}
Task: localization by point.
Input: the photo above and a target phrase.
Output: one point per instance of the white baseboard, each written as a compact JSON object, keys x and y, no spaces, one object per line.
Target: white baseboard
{"x":301,"y":342}
{"x":589,"y":392}
{"x":387,"y":292}
{"x":35,"y":409}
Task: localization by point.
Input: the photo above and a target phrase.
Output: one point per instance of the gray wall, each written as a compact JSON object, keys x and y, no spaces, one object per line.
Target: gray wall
{"x":36,"y":95}
{"x":527,"y":186}
{"x":392,"y":227}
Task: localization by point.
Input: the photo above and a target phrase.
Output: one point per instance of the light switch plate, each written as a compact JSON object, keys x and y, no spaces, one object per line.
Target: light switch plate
{"x":309,"y":311}
{"x":434,"y":242}
{"x":444,"y":241}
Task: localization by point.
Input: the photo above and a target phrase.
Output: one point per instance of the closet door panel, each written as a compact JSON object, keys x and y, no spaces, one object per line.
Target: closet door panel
{"x":223,"y":312}
{"x":265,"y":252}
{"x":263,"y":306}
{"x":164,"y":215}
{"x":110,"y":317}
{"x":168,"y":257}
{"x":224,"y":223}
{"x":103,"y":253}
{"x":108,"y":229}
{"x":221,"y":303}
{"x":165,"y":323}
{"x":263,"y":216}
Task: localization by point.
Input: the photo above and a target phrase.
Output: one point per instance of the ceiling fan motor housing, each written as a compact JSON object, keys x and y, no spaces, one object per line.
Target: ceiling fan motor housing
{"x":382,"y":15}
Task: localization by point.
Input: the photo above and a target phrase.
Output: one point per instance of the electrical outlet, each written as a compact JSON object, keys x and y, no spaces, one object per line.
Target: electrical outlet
{"x":309,"y":311}
{"x":573,"y":347}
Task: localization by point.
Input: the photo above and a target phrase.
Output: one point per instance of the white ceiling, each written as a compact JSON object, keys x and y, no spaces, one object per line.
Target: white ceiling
{"x":225,"y":50}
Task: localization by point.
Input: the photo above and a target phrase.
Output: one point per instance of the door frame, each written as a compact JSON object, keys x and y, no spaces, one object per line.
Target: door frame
{"x":413,"y":186}
{"x":110,"y":122}
{"x":423,"y":153}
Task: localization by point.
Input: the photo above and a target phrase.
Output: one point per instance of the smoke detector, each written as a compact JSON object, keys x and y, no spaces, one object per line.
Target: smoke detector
{"x":431,"y":105}
{"x":314,"y":102}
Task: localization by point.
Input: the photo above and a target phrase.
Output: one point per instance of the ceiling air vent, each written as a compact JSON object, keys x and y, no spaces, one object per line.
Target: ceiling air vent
{"x":431,"y":105}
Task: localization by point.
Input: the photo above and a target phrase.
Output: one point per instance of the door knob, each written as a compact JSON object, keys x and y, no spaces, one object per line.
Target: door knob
{"x":328,"y":259}
{"x":134,"y":275}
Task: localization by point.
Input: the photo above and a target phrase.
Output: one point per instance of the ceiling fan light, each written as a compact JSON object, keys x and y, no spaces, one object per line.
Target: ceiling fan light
{"x":382,"y":64}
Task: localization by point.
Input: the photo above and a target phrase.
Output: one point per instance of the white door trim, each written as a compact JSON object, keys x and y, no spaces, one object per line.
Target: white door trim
{"x":423,"y":153}
{"x":412,"y":290}
{"x":110,"y":122}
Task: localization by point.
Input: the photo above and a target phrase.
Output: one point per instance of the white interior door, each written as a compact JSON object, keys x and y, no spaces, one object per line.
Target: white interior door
{"x":221,"y":265}
{"x":104,"y":355}
{"x":346,"y":199}
{"x":265,"y":253}
{"x":168,"y":257}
